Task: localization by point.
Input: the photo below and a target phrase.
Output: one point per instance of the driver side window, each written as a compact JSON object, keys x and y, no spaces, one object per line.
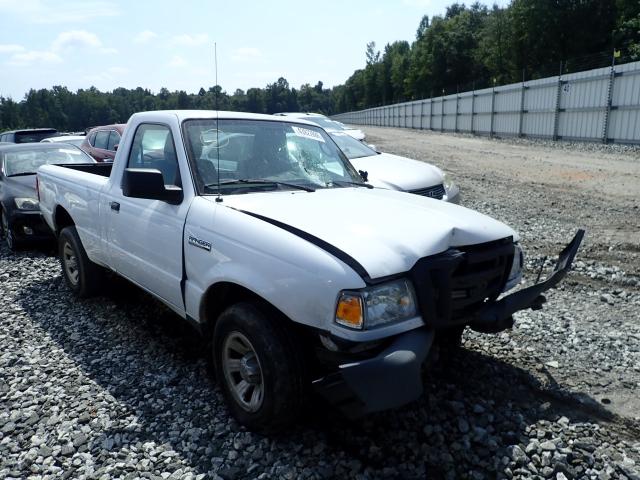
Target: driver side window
{"x":153,"y":147}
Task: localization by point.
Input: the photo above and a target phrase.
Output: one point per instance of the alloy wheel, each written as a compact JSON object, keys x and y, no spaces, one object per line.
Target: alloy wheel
{"x":242,"y":371}
{"x":70,"y":263}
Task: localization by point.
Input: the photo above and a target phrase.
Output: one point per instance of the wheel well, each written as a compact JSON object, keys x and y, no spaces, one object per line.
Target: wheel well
{"x":224,"y":294}
{"x":62,"y":219}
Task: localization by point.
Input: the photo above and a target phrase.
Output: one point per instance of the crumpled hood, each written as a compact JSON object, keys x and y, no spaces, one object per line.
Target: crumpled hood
{"x":398,"y":173}
{"x":384,"y":230}
{"x":22,"y":186}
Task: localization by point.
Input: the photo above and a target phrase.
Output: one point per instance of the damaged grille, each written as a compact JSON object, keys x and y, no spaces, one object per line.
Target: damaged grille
{"x":480,"y":276}
{"x":453,"y":286}
{"x":436,"y":192}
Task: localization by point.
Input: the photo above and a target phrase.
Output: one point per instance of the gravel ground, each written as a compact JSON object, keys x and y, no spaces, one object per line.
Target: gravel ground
{"x":115,"y":387}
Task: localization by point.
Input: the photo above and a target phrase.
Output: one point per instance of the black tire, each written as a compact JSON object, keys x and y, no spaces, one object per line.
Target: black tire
{"x":449,"y":341}
{"x":82,"y":276}
{"x":451,"y":337}
{"x":282,"y":376}
{"x":7,"y":233}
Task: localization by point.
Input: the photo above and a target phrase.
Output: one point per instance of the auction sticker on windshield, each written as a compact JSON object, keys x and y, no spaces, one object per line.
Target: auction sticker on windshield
{"x":306,"y":133}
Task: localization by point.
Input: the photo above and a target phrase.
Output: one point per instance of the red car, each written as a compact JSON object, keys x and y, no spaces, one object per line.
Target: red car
{"x":101,"y":142}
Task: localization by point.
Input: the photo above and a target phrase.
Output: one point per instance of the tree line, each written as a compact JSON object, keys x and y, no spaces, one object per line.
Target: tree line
{"x":75,"y":111}
{"x":468,"y":47}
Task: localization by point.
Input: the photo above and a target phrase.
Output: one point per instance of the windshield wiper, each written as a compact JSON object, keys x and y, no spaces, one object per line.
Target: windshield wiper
{"x":260,"y":181}
{"x":21,"y":174}
{"x":346,"y":182}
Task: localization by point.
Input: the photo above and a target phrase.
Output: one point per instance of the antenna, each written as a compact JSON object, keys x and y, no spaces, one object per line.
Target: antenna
{"x":215,"y":62}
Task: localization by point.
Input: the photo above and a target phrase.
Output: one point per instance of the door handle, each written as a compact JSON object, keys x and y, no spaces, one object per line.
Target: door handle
{"x":115,"y":206}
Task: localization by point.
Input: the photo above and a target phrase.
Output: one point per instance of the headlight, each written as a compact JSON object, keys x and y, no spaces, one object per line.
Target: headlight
{"x":378,"y":305}
{"x":515,"y":275}
{"x":26,"y":203}
{"x":450,"y":188}
{"x":447,"y":181}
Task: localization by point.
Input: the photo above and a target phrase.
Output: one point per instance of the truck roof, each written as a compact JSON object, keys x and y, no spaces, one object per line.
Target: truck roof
{"x":206,"y":114}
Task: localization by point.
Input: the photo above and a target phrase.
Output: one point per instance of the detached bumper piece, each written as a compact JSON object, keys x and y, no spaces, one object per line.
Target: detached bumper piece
{"x":389,"y":380}
{"x":497,"y":316}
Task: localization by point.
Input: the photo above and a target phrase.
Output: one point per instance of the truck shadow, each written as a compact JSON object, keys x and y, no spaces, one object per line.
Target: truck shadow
{"x":159,"y":393}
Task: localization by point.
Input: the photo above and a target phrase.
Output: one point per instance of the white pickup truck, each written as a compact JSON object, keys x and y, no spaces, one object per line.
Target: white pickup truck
{"x":303,"y":277}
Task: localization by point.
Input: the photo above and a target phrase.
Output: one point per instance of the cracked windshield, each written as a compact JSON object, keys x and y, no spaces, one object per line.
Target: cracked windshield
{"x":248,"y":154}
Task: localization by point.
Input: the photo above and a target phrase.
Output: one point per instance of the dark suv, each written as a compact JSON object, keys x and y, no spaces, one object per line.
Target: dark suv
{"x":30,"y":135}
{"x":101,"y":142}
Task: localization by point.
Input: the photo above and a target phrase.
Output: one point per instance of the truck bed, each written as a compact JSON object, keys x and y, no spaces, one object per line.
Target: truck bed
{"x":102,"y":169}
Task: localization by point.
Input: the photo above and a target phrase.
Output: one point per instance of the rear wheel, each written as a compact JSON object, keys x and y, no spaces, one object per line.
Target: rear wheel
{"x":7,"y":233}
{"x":258,"y":368}
{"x":82,"y":276}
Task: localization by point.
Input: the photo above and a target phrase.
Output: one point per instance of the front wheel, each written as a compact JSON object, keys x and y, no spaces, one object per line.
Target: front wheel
{"x":449,"y":341}
{"x":451,"y":337}
{"x":82,"y":276}
{"x":258,"y":368}
{"x":7,"y":233}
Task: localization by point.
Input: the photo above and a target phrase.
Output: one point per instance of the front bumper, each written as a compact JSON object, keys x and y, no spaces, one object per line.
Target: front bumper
{"x":28,"y":225}
{"x":389,"y":380}
{"x":393,"y":377}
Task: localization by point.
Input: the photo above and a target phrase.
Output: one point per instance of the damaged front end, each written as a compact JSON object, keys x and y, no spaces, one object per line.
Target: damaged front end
{"x":497,"y":316}
{"x":457,"y":288}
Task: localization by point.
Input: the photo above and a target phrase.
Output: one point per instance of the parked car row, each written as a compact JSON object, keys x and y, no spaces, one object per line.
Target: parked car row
{"x":379,"y":169}
{"x":20,"y":218}
{"x":99,"y":142}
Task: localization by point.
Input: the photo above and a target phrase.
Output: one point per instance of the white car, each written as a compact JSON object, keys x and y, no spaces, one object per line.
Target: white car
{"x":72,"y":139}
{"x":393,"y":172}
{"x":300,"y":275}
{"x":325,"y":122}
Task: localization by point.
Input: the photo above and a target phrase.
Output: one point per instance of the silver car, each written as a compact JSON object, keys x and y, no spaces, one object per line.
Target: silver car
{"x":325,"y":122}
{"x":393,"y":172}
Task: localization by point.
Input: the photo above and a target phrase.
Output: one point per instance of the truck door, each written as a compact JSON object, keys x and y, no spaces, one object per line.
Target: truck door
{"x":146,"y":235}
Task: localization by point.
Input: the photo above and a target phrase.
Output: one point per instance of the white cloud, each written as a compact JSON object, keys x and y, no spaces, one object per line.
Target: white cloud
{"x":118,"y":70}
{"x":61,"y":11}
{"x":177,"y":61}
{"x":145,"y":36}
{"x":24,"y":59}
{"x":418,"y":3}
{"x":11,"y":48}
{"x":75,"y":39}
{"x":202,"y":71}
{"x":64,"y":42}
{"x":187,"y":40}
{"x":107,"y":77}
{"x":246,"y":54}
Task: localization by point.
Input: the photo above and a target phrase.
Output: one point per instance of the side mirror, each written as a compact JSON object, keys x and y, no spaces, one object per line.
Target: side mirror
{"x":364,"y":175}
{"x":149,"y":183}
{"x":373,"y":147}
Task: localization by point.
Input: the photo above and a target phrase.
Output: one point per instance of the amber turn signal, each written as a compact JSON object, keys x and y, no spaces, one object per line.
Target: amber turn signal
{"x":349,"y":311}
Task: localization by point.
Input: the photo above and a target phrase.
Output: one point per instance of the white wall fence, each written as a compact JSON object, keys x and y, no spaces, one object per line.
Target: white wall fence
{"x":600,"y":105}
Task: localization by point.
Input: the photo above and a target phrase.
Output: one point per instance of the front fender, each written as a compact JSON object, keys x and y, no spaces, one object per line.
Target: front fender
{"x":295,"y":276}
